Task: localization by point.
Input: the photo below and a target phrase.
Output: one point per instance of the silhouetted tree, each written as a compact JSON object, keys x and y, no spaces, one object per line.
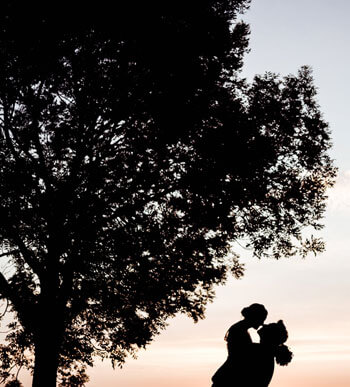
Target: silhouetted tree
{"x":132,"y":155}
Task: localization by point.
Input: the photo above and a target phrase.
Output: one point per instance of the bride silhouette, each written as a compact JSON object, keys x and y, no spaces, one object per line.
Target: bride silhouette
{"x":252,"y":364}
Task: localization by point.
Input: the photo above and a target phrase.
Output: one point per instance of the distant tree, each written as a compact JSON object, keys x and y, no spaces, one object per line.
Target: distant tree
{"x":132,"y":156}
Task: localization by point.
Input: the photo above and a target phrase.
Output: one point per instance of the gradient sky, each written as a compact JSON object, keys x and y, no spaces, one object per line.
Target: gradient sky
{"x":311,"y":295}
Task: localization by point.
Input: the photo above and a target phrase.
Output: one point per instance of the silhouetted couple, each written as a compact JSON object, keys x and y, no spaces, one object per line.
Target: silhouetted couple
{"x":252,"y":364}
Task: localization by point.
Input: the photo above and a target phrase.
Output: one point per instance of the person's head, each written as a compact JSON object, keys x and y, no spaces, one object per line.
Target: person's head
{"x":255,"y":315}
{"x":275,"y":335}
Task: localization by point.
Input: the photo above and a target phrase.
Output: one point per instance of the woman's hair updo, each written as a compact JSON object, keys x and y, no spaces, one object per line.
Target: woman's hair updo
{"x":254,"y":311}
{"x":276,"y":334}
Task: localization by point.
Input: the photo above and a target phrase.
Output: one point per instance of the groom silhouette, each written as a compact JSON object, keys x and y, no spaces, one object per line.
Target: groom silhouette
{"x":238,"y":345}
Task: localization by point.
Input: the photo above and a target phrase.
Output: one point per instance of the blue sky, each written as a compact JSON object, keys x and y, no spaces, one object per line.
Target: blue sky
{"x":288,"y":34}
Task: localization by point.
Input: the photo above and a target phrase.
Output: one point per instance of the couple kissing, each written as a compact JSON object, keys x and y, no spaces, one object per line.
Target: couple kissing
{"x":252,"y":364}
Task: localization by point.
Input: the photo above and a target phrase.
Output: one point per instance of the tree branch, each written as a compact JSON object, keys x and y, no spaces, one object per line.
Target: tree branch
{"x":6,"y":291}
{"x":24,"y":312}
{"x":9,"y":253}
{"x":26,"y":253}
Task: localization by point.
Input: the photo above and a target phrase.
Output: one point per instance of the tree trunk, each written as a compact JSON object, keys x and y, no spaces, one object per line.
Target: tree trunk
{"x":46,"y":361}
{"x":48,"y":332}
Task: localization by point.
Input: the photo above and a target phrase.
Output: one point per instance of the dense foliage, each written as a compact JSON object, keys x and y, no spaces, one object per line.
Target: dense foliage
{"x":132,"y":156}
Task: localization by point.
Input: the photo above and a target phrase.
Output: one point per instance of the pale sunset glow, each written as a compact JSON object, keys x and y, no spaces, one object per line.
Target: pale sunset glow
{"x":310,"y":295}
